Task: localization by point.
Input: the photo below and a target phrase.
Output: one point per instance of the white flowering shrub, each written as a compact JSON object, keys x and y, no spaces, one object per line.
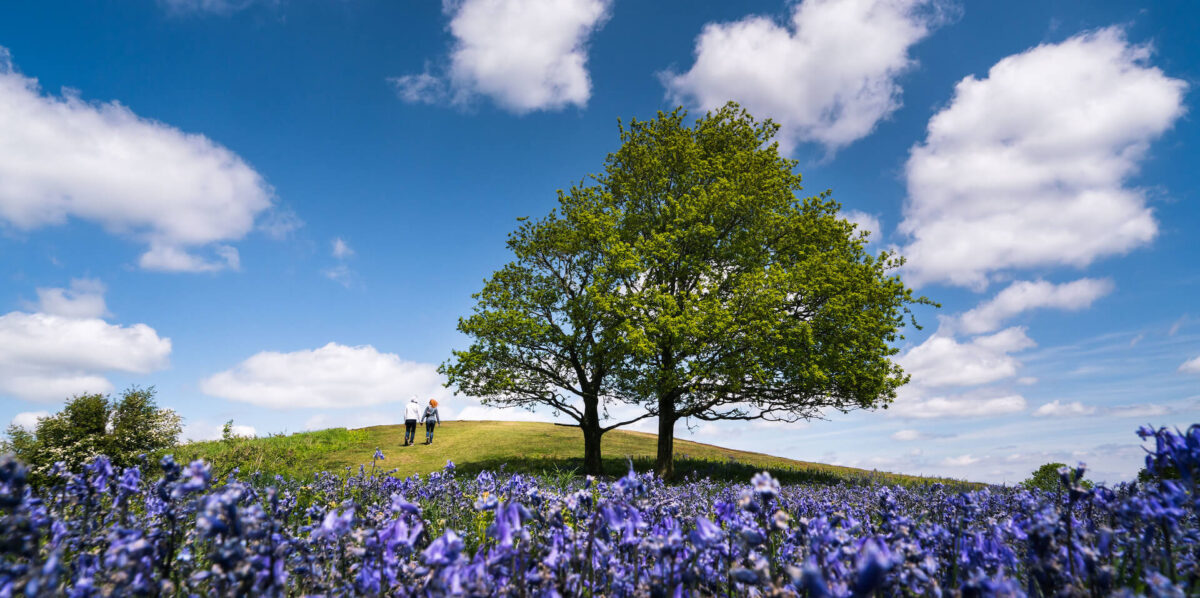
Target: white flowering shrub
{"x":94,"y":424}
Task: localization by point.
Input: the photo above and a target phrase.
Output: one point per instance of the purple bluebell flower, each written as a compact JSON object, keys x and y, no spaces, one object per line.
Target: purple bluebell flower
{"x":765,"y":486}
{"x":706,"y":532}
{"x":444,"y":550}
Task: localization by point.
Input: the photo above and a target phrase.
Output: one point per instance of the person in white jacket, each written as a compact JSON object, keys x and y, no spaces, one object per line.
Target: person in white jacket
{"x":412,"y":412}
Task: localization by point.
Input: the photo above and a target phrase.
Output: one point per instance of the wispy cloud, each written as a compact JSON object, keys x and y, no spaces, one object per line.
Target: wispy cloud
{"x":340,"y":272}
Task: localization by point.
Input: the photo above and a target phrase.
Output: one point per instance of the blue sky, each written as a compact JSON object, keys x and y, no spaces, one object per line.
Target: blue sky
{"x":275,"y":211}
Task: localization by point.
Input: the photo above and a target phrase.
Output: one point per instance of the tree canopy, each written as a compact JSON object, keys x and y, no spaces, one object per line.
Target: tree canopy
{"x":542,"y":334}
{"x":741,"y":299}
{"x":1053,"y":477}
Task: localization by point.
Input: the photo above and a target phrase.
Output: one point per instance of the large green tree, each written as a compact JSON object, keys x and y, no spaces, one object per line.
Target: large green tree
{"x":690,"y":278}
{"x":740,"y":299}
{"x":542,"y":335}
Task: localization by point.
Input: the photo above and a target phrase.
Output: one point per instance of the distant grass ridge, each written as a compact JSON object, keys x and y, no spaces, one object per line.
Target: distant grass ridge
{"x":519,"y":447}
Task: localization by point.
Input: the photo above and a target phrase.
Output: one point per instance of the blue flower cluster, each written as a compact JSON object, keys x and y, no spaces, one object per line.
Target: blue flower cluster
{"x":176,"y":531}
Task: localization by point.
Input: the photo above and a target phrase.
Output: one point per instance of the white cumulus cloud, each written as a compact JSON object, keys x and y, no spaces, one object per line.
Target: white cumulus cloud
{"x":826,"y":76}
{"x":477,"y":412}
{"x":1058,"y":409}
{"x":359,"y":419}
{"x":1026,"y":295}
{"x":524,"y":54}
{"x":203,"y":430}
{"x":909,"y":435}
{"x":944,"y":361}
{"x":918,"y":404}
{"x":333,"y":376}
{"x":46,"y":357}
{"x":64,"y":158}
{"x":866,"y":223}
{"x":960,"y":461}
{"x":1191,"y":366}
{"x":1028,"y":166}
{"x":242,"y":431}
{"x":84,"y":299}
{"x":28,"y":419}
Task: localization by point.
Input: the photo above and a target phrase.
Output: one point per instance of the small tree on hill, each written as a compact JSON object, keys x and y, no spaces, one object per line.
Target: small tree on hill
{"x":92,"y":425}
{"x":542,"y":334}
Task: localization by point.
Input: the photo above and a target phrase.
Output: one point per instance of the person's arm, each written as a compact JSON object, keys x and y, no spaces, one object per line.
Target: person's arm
{"x":437,"y":417}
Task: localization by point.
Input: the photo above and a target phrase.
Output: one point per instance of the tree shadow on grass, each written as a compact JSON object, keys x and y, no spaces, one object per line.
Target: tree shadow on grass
{"x":686,"y":469}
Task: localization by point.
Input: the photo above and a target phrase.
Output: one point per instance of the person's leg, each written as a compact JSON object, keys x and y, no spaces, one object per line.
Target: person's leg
{"x":428,"y":432}
{"x":410,"y":431}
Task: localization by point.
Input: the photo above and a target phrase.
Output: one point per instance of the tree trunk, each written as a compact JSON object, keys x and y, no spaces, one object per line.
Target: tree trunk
{"x":664,"y":465}
{"x":592,"y":465}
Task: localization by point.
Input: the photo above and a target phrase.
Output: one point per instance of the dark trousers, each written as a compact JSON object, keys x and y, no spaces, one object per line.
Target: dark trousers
{"x":429,"y":431}
{"x":410,"y":431}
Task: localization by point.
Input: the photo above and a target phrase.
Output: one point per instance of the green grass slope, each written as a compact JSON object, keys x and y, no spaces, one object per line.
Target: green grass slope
{"x":526,"y":447}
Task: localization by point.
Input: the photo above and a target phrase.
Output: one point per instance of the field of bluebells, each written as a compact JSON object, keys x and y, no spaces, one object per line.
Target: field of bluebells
{"x":167,"y":530}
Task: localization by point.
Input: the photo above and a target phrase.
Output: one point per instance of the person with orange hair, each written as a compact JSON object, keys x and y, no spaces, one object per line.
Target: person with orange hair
{"x":430,"y":418}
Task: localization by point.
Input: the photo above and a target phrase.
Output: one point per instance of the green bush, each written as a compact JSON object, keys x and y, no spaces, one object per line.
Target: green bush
{"x":91,"y":425}
{"x":1145,"y":478}
{"x":1047,"y":478}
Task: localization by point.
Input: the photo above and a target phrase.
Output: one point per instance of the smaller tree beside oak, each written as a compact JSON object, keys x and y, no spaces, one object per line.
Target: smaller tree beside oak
{"x":542,"y":335}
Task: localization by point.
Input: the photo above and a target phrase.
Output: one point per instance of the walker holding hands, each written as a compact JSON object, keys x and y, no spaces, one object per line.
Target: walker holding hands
{"x":431,"y":419}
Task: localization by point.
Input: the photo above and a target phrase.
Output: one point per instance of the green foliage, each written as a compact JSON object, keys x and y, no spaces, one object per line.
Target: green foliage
{"x":742,"y":300}
{"x":1047,"y":478}
{"x":91,"y":425}
{"x":1168,"y":472}
{"x":139,"y":427}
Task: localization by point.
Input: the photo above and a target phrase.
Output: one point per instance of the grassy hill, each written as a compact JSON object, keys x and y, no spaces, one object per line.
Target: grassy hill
{"x":535,"y":448}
